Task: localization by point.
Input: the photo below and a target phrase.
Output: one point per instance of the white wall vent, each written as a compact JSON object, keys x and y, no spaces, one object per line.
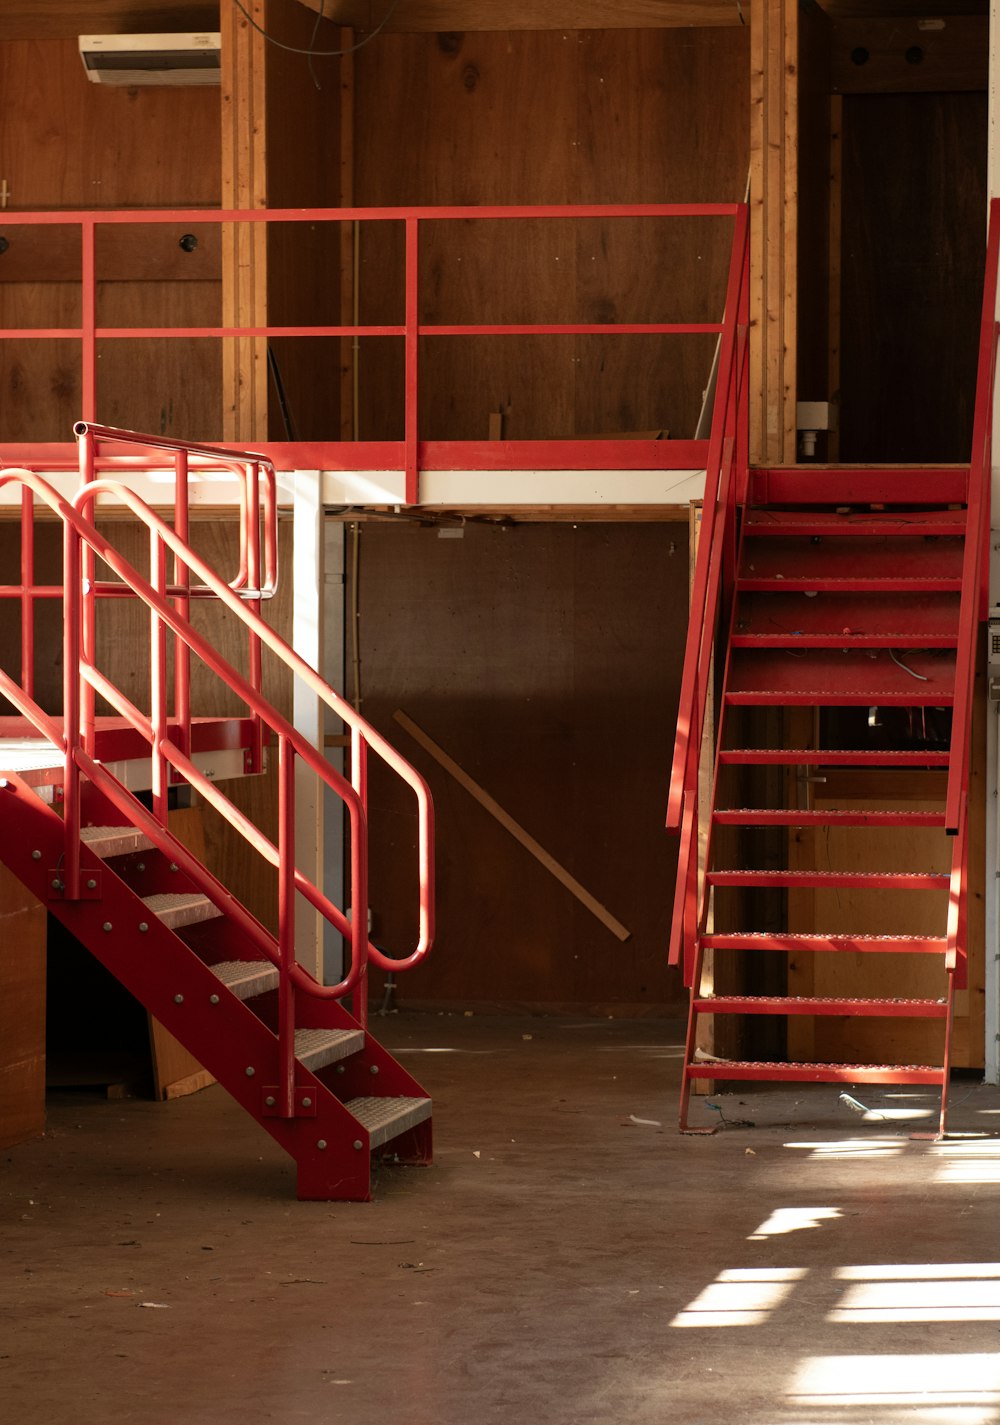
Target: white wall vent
{"x":152,"y":59}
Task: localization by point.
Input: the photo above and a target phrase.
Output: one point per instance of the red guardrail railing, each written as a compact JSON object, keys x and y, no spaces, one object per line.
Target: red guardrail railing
{"x":974,"y":605}
{"x":80,"y":675}
{"x":726,"y":483}
{"x":413,"y":452}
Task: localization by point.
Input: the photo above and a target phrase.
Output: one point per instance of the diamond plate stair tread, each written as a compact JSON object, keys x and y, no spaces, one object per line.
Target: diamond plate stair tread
{"x":818,"y":1005}
{"x":108,"y":841}
{"x":179,"y":908}
{"x":759,"y":816}
{"x":315,"y":1048}
{"x":857,"y":880}
{"x":886,"y":944}
{"x":765,"y":520}
{"x":841,"y":757}
{"x":29,"y":754}
{"x":816,"y":1073}
{"x":386,"y":1118}
{"x":246,"y":978}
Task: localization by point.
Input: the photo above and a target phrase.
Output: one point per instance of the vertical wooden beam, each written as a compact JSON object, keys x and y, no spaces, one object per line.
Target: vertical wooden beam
{"x":774,"y":35}
{"x":836,"y":243}
{"x":244,"y":248}
{"x":349,"y":352}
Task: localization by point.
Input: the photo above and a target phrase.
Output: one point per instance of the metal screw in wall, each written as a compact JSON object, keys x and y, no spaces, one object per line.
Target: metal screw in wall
{"x":213,"y":999}
{"x":36,"y":855}
{"x":143,"y":926}
{"x":173,"y":865}
{"x":358,"y":1144}
{"x":321,"y":1143}
{"x":307,"y":1103}
{"x":269,"y":1101}
{"x":373,"y":1069}
{"x":250,"y":1071}
{"x":107,"y":925}
{"x":91,"y":884}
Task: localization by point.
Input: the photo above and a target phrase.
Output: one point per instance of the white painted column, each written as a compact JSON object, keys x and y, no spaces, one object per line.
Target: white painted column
{"x":308,"y":710}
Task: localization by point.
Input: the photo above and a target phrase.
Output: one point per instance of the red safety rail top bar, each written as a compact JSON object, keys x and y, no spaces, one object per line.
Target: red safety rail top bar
{"x":75,"y":737}
{"x":726,"y":484}
{"x":414,"y":453}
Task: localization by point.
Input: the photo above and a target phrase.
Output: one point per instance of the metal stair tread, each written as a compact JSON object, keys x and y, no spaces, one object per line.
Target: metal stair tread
{"x":178,"y":908}
{"x":831,"y":757}
{"x":107,"y":841}
{"x":246,"y":978}
{"x":766,"y":519}
{"x":763,"y":816}
{"x":916,"y":880}
{"x":821,"y":1005}
{"x":315,"y":1048}
{"x":386,"y":1118}
{"x":708,"y":1068}
{"x":842,"y":584}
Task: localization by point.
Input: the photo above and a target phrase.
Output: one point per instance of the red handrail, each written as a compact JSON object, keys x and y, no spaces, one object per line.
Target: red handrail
{"x":412,"y":330}
{"x":80,"y":672}
{"x":726,"y":480}
{"x":975,"y":566}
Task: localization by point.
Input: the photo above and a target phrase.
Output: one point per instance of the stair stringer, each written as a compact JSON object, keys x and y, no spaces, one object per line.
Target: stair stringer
{"x":330,"y":1147}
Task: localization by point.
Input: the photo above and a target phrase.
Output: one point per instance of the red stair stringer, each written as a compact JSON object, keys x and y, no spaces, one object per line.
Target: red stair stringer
{"x":331,"y":1148}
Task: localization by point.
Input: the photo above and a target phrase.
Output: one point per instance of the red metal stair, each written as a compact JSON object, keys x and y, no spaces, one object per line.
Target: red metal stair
{"x":107,"y":866}
{"x":840,"y":608}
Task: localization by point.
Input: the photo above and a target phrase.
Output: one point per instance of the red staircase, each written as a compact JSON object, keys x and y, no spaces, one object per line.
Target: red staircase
{"x":834,"y":625}
{"x":109,"y":869}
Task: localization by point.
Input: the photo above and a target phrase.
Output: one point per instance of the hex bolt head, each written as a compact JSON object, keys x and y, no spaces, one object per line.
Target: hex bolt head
{"x":341,"y":1069}
{"x":178,"y":999}
{"x":213,"y":999}
{"x":107,"y":925}
{"x":373,"y":1069}
{"x":56,"y":883}
{"x":141,"y":866}
{"x":91,"y":884}
{"x":36,"y":855}
{"x":173,"y":865}
{"x":250,"y":1071}
{"x":270,"y":1100}
{"x":307,"y":1103}
{"x":321,"y":1143}
{"x":358,"y":1144}
{"x":143,"y":926}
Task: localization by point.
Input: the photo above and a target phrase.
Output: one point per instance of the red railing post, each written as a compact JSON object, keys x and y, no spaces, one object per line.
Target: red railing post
{"x":182,"y":603}
{"x":286,"y":928}
{"x":71,"y":711}
{"x":411,"y":438}
{"x":252,"y":526}
{"x":359,"y":907}
{"x":88,"y":338}
{"x":158,"y":714}
{"x":27,"y":592}
{"x":88,"y":631}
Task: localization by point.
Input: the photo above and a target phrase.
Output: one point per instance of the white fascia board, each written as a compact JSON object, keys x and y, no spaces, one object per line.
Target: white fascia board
{"x":465,"y":489}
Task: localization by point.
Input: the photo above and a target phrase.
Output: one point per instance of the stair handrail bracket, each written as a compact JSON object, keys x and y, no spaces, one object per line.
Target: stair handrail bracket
{"x":975,"y":569}
{"x":726,"y":482}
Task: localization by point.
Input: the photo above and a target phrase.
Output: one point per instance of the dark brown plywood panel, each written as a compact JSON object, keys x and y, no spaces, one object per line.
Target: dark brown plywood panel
{"x":545,"y":660}
{"x":22,"y":1013}
{"x":549,"y":117}
{"x":65,"y":142}
{"x":914,"y":241}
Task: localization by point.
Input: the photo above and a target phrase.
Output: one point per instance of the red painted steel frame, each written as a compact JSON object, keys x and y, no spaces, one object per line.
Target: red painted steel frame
{"x":413,"y":453}
{"x":975,"y":570}
{"x":80,"y":674}
{"x":725,"y":492}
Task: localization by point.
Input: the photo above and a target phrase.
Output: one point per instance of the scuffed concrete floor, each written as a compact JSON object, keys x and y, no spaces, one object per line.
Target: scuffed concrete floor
{"x":560,"y":1263}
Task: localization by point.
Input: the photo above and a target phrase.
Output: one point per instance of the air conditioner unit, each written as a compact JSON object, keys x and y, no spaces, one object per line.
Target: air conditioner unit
{"x":152,"y":59}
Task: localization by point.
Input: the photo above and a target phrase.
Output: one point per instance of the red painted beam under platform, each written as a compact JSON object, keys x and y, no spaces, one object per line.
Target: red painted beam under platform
{"x":817,"y":1073}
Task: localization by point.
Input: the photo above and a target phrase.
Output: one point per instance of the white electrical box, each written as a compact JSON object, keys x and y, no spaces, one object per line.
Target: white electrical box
{"x":131,"y":60}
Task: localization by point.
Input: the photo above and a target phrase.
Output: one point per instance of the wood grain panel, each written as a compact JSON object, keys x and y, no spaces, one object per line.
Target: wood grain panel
{"x":22,"y":1013}
{"x":65,"y":142}
{"x":440,"y":15}
{"x":549,"y":117}
{"x":558,"y":700}
{"x":65,"y":19}
{"x":896,"y":56}
{"x":914,"y":242}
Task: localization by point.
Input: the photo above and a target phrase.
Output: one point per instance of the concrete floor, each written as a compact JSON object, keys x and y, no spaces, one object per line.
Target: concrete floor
{"x":560,"y":1263}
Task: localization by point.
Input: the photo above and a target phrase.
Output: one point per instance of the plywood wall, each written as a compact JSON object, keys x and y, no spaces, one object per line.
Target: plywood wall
{"x":67,"y":143}
{"x":545,"y":660}
{"x":549,"y":117}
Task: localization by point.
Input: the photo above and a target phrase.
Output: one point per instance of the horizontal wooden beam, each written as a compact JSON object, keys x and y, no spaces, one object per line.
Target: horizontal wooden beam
{"x":65,"y":19}
{"x":413,"y":16}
